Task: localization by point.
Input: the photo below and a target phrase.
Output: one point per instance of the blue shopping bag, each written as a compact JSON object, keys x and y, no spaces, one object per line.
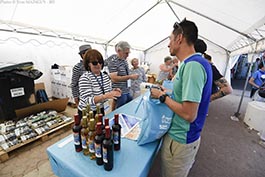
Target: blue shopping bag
{"x":168,"y":85}
{"x":156,"y":120}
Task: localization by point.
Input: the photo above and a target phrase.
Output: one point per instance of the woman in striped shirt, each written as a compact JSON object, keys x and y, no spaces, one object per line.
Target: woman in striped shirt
{"x":94,"y":85}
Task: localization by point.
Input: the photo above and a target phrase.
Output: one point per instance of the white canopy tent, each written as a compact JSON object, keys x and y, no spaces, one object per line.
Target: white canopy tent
{"x":50,"y":31}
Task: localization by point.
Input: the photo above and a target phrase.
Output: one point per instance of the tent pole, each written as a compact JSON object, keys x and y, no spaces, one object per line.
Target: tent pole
{"x":158,"y":2}
{"x":237,"y":114}
{"x":106,"y":50}
{"x":227,"y":62}
{"x":172,"y":10}
{"x":156,"y":44}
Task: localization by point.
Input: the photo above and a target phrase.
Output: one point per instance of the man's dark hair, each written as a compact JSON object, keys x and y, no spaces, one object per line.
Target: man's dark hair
{"x":188,"y":29}
{"x":200,"y":46}
{"x":261,"y":65}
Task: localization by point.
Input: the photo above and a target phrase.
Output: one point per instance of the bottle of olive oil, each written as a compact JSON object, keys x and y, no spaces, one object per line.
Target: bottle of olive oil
{"x":84,"y":136}
{"x":91,"y":139}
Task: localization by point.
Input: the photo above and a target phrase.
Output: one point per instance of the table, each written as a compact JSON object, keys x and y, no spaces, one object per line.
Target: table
{"x":131,"y":161}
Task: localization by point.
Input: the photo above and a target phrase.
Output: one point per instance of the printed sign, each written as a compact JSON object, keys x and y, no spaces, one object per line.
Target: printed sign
{"x":16,"y":92}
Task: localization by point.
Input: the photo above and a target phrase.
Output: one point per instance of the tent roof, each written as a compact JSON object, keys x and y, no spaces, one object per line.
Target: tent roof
{"x":229,"y":24}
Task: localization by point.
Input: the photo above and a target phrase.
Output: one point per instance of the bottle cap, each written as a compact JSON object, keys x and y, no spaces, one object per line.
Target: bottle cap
{"x":106,"y":121}
{"x":77,"y":120}
{"x":99,"y":128}
{"x":107,"y":134}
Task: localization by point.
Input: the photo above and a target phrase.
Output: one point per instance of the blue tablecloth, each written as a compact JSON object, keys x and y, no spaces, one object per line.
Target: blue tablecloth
{"x":131,"y":161}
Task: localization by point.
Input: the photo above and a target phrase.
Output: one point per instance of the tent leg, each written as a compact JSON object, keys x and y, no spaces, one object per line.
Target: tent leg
{"x":237,"y":114}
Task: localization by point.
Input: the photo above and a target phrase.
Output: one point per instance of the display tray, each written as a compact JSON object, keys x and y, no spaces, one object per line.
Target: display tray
{"x":56,"y":130}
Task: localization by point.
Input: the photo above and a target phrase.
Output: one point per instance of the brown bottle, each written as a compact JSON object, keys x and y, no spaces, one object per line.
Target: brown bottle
{"x":116,"y":133}
{"x":100,"y":119}
{"x":91,"y":139}
{"x":77,"y":134}
{"x":98,"y":143}
{"x":106,"y":123}
{"x":107,"y":150}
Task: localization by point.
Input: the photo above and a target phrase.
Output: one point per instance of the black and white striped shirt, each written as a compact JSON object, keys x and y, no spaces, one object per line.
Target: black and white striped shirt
{"x":115,"y":64}
{"x":78,"y":70}
{"x":91,"y":85}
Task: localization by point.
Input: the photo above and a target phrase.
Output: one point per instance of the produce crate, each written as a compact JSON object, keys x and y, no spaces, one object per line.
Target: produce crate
{"x":57,"y":130}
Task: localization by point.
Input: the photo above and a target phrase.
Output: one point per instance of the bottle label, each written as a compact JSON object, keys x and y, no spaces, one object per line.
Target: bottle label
{"x":105,"y":155}
{"x":76,"y":139}
{"x":84,"y":145}
{"x":116,"y":137}
{"x":91,"y":146}
{"x":98,"y":150}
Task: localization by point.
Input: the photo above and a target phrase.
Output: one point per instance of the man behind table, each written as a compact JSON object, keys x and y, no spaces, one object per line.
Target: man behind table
{"x":119,"y":73}
{"x":192,"y":91}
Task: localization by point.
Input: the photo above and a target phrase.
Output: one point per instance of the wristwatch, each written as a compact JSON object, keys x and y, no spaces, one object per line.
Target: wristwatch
{"x":162,"y":98}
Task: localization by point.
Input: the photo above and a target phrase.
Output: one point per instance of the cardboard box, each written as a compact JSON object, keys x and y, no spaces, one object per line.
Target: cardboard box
{"x":58,"y":105}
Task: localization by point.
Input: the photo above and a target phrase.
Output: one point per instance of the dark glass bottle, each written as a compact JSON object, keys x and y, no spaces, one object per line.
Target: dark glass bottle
{"x":116,"y":133}
{"x":98,"y":143}
{"x":100,"y":119}
{"x":77,"y":134}
{"x":106,"y":123}
{"x":107,"y":150}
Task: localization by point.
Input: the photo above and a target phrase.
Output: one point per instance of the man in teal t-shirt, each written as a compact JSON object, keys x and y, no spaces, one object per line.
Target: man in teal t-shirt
{"x":192,"y":90}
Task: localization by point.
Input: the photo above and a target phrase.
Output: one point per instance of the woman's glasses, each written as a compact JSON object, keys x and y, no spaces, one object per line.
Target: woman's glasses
{"x":96,"y":62}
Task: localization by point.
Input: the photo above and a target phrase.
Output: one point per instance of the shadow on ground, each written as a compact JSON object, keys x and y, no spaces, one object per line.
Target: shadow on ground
{"x":228,"y":148}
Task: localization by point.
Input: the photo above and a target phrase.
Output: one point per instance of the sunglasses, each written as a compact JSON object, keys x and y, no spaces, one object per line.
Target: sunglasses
{"x":177,"y":26}
{"x":96,"y":62}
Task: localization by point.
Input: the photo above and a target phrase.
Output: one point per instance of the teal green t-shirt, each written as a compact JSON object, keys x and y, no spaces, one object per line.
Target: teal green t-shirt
{"x":188,"y":86}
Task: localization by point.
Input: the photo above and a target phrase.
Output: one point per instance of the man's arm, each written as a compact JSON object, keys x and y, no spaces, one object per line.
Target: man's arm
{"x":74,"y":84}
{"x":115,"y":78}
{"x":251,"y":82}
{"x":187,"y":110}
{"x":224,"y":89}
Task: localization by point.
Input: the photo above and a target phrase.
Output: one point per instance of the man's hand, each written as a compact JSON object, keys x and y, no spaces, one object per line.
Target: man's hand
{"x":76,"y":101}
{"x":156,"y":93}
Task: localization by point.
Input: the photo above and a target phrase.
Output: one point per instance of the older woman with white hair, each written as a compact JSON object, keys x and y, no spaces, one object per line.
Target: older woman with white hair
{"x":136,"y":69}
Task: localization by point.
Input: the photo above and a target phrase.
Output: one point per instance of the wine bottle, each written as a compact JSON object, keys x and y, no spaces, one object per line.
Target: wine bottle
{"x":84,"y":136}
{"x":107,"y":150}
{"x":100,"y":119}
{"x":106,"y":123}
{"x":116,"y":133}
{"x":98,"y":144}
{"x":77,"y":134}
{"x":91,"y":139}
